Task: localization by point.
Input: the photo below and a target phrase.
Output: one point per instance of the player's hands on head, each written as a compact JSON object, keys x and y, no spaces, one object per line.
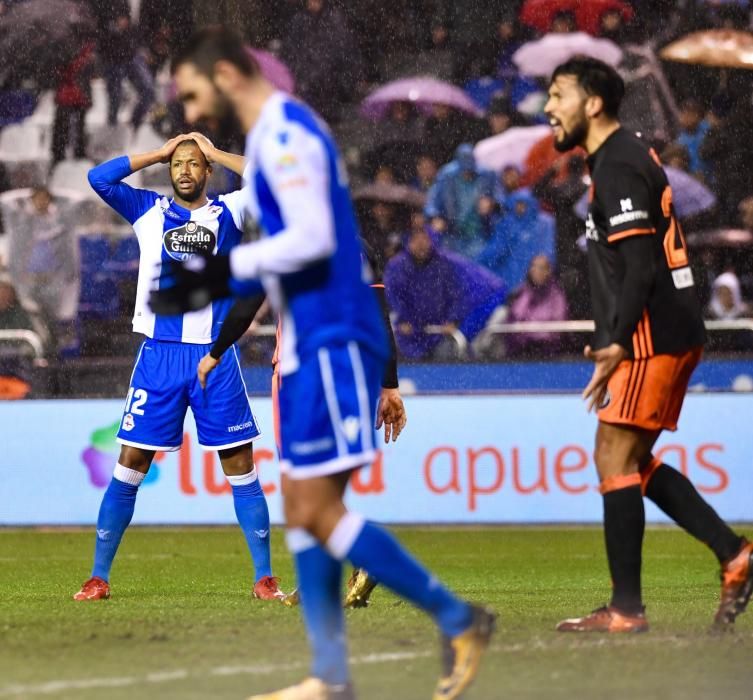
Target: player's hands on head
{"x":191,"y":284}
{"x":605,"y":362}
{"x":391,"y":414}
{"x":166,"y":152}
{"x":206,"y":365}
{"x":205,"y":145}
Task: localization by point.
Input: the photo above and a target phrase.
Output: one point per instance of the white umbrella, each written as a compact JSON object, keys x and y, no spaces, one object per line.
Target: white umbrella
{"x":539,"y":58}
{"x":510,"y":148}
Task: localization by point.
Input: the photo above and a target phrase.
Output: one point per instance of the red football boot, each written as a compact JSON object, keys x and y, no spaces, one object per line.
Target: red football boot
{"x":94,"y":589}
{"x":737,"y":585}
{"x":606,"y":619}
{"x":267,"y":588}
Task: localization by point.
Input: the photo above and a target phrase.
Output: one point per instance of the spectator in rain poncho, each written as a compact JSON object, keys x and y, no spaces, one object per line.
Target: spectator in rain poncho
{"x":727,"y":304}
{"x":459,"y":201}
{"x":426,"y":285}
{"x":43,"y":255}
{"x":726,"y":299}
{"x":522,"y":232}
{"x":539,"y":298}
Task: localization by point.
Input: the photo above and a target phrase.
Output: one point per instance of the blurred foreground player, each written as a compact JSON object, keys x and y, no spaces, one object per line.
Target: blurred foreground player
{"x":390,"y":411}
{"x":648,"y":340}
{"x":331,"y":359}
{"x":164,"y":383}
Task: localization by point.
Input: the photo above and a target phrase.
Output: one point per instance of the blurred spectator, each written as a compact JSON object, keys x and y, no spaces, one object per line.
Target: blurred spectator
{"x":43,"y":259}
{"x":726,"y":305}
{"x":122,"y":59}
{"x":500,"y":116}
{"x":563,"y":23}
{"x":511,"y":180}
{"x":446,"y":129}
{"x":693,"y":130}
{"x":325,"y":59}
{"x":460,"y":199}
{"x":426,"y":173}
{"x":73,"y":99}
{"x":14,"y":368}
{"x":539,"y":298}
{"x":437,"y":60}
{"x":508,"y":41}
{"x":428,"y":286}
{"x":675,"y":155}
{"x":522,"y":232}
{"x":612,"y":26}
{"x":559,"y":195}
{"x":726,"y":299}
{"x":402,"y":124}
{"x":728,"y":148}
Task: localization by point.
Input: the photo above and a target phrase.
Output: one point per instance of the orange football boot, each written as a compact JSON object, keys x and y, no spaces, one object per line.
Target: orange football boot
{"x":267,"y":588}
{"x":606,"y":619}
{"x":94,"y":589}
{"x":737,"y":585}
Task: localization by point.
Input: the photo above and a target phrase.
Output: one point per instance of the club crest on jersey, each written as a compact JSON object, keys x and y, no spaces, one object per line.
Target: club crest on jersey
{"x":128,"y":422}
{"x":187,"y":240}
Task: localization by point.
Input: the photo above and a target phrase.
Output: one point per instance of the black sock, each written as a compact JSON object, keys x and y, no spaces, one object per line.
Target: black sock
{"x":678,"y":498}
{"x":624,"y":522}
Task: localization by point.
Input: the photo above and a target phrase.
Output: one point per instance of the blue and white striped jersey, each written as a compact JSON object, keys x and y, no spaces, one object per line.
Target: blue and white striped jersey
{"x":165,"y":230}
{"x":309,"y":258}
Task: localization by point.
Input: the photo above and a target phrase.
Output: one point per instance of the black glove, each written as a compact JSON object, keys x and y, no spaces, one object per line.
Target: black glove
{"x":192,"y":284}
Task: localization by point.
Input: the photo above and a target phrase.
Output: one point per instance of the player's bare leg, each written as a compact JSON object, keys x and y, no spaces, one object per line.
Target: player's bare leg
{"x":253,"y":516}
{"x":115,"y":515}
{"x":321,"y":534}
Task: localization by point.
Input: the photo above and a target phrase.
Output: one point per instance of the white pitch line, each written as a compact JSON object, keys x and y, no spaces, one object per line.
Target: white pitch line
{"x":536,"y":644}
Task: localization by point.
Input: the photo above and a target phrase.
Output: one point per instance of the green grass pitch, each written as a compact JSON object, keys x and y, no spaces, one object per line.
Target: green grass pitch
{"x":181,"y":622}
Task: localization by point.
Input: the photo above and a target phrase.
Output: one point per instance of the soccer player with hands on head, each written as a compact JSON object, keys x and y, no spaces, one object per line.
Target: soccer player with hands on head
{"x":164,"y":383}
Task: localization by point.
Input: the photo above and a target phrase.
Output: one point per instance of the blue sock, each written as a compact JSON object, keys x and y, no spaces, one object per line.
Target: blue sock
{"x":371,"y":547}
{"x":253,"y":517}
{"x":319,"y":581}
{"x":115,"y":514}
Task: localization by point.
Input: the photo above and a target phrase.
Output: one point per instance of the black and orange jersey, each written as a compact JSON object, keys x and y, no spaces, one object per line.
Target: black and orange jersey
{"x":642,"y":288}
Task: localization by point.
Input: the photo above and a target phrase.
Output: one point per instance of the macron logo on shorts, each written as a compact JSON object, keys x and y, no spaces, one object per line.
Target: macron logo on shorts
{"x":242,"y":426}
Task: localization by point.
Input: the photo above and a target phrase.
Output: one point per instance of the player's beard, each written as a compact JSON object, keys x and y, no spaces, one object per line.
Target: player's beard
{"x":193,"y":194}
{"x":575,"y":137}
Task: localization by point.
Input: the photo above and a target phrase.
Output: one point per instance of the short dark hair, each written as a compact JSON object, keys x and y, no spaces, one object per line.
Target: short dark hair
{"x":598,"y":79}
{"x":190,"y":142}
{"x":212,"y":44}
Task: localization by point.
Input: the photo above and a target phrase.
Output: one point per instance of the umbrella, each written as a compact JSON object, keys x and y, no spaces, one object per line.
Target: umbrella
{"x":273,"y":69}
{"x":689,"y":196}
{"x":423,"y":92}
{"x":392,"y":194}
{"x":510,"y":148}
{"x":720,"y":48}
{"x":721,"y":238}
{"x":541,"y":57}
{"x":588,"y":13}
{"x":38,"y":36}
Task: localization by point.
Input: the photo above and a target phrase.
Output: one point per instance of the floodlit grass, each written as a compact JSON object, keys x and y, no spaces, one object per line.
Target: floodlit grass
{"x":181,"y":622}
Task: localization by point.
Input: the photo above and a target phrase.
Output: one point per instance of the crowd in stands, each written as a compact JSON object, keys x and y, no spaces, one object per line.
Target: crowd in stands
{"x":470,"y":248}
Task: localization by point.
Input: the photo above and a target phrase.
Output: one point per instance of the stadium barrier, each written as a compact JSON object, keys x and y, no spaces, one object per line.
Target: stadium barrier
{"x":461,"y":459}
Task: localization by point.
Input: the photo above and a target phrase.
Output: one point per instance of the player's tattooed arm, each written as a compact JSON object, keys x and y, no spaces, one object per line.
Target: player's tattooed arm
{"x":231,"y":161}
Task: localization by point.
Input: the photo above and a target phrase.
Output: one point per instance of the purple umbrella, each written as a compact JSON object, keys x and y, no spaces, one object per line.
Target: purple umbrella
{"x":422,"y":92}
{"x":274,"y":70}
